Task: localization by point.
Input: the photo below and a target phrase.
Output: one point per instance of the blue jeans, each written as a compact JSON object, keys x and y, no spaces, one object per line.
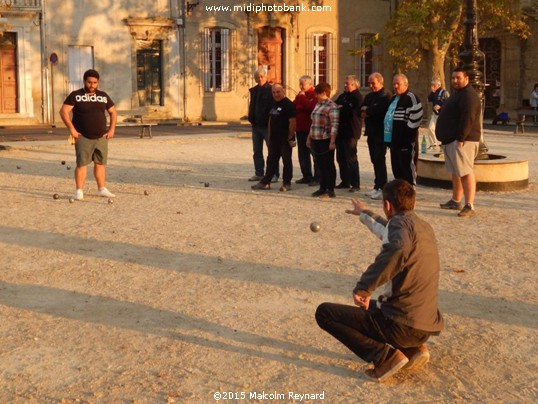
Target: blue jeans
{"x":260,"y":135}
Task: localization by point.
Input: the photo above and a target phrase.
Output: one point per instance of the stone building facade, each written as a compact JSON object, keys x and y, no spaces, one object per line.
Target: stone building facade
{"x":193,"y":60}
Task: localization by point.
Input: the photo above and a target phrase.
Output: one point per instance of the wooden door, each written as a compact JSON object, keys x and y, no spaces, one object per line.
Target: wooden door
{"x":8,"y":74}
{"x":270,"y":53}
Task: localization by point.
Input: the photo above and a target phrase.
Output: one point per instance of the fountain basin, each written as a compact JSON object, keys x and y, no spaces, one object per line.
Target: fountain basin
{"x":494,"y":172}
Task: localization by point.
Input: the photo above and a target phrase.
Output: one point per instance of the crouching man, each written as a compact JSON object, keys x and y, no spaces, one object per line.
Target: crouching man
{"x":392,"y":330}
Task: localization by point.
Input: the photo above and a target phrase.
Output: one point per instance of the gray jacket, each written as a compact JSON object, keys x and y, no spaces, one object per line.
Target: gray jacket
{"x":408,"y":269}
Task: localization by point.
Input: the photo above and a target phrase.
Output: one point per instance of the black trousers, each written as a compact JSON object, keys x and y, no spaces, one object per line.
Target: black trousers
{"x":402,"y":159}
{"x":305,"y":157}
{"x":278,"y":148}
{"x":367,"y":332}
{"x":346,"y":156}
{"x":325,"y":159}
{"x":378,"y":151}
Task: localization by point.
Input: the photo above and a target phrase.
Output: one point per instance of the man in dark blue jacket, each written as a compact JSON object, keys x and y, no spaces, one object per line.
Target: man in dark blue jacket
{"x":458,"y":129}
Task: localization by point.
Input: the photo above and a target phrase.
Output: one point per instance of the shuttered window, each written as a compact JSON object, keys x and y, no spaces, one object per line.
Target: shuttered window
{"x":364,"y":61}
{"x":216,"y":59}
{"x":320,"y":57}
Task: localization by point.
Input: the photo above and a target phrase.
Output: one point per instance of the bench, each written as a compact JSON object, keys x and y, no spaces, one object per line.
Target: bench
{"x":522,"y":114}
{"x":136,"y":118}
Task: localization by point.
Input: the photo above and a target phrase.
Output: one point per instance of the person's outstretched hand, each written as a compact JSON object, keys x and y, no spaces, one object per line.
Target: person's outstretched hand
{"x":358,"y":207}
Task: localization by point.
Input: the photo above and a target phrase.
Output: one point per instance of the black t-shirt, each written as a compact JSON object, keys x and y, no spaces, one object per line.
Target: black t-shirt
{"x":89,"y":110}
{"x":279,"y":116}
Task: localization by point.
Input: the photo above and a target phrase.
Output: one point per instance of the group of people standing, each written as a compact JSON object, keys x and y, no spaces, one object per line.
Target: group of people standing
{"x":324,"y":129}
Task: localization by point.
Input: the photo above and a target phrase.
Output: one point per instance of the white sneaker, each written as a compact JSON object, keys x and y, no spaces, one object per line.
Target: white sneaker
{"x":377,"y":195}
{"x":105,"y":192}
{"x":370,"y":192}
{"x":79,"y":195}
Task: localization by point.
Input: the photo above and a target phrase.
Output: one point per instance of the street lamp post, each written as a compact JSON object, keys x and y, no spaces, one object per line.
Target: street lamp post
{"x":472,"y":59}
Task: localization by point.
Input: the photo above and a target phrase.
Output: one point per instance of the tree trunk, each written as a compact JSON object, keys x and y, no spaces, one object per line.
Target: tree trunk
{"x":437,"y":60}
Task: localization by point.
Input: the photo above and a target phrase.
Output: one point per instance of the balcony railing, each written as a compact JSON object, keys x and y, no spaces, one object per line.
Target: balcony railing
{"x":16,"y":4}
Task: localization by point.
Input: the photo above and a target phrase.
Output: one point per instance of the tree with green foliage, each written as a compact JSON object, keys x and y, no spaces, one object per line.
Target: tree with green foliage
{"x":432,"y":30}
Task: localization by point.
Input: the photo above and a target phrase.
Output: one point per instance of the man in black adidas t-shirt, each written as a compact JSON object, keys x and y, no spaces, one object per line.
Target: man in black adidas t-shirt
{"x":88,"y":128}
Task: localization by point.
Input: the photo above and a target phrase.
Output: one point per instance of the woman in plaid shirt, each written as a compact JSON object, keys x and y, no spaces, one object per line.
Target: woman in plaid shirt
{"x":322,"y":137}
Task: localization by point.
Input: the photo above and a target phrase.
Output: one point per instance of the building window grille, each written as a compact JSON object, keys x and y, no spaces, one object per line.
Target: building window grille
{"x":216,"y":59}
{"x":364,"y":61}
{"x":320,"y":57}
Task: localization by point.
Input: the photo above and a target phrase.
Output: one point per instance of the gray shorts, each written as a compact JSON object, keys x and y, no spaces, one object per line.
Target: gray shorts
{"x":460,"y":160}
{"x":88,"y":150}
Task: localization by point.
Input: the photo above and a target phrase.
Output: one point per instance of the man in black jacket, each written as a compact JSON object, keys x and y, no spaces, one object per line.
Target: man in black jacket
{"x":373,"y":112}
{"x":459,"y":129}
{"x":349,"y":133}
{"x":261,"y":99}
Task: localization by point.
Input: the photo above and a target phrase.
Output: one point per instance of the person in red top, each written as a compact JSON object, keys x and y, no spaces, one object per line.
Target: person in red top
{"x":304,"y":102}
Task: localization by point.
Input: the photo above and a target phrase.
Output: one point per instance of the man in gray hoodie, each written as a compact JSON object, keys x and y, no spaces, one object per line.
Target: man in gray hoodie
{"x":391,"y":331}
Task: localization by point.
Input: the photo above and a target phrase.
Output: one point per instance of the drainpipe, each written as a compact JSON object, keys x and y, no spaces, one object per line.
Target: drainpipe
{"x":182,"y":52}
{"x":45,"y":80}
{"x":174,"y":15}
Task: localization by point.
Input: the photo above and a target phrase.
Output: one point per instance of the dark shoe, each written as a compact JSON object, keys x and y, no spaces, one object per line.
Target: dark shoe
{"x":388,"y":367}
{"x":331,"y":194}
{"x":342,"y":186}
{"x":255,"y":178}
{"x":319,"y":192}
{"x":275,"y":178}
{"x":451,"y":204}
{"x":313,"y":183}
{"x":285,"y":187}
{"x":467,"y":211}
{"x":262,"y":186}
{"x":418,"y":357}
{"x":354,"y":189}
{"x":303,"y":181}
